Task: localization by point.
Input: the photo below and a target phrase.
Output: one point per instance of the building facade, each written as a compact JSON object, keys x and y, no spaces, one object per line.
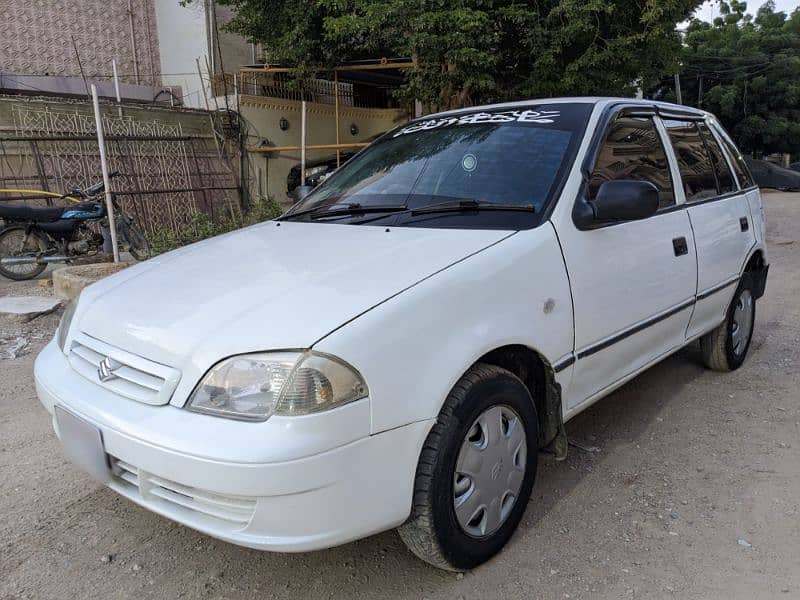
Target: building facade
{"x":155,"y":43}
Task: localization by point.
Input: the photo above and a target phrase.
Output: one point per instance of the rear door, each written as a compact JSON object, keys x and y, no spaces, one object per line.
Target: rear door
{"x":720,"y":217}
{"x":745,"y":180}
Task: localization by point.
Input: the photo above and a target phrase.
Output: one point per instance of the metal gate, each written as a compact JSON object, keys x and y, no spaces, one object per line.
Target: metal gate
{"x":165,"y":176}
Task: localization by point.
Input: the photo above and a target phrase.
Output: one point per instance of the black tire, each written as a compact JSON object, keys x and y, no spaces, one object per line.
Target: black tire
{"x":722,"y":349}
{"x":433,"y":532}
{"x":13,"y":244}
{"x":138,"y":245}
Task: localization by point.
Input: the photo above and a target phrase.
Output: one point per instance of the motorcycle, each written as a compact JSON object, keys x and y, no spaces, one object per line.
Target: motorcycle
{"x":34,"y":237}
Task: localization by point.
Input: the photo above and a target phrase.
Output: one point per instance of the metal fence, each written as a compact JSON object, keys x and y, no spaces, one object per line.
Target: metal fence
{"x":166,"y":175}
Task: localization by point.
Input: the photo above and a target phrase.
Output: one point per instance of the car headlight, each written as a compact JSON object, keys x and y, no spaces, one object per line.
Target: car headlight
{"x":254,"y":387}
{"x":64,"y":325}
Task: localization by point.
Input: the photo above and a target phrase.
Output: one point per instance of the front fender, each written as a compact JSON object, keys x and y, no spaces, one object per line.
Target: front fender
{"x":415,"y":346}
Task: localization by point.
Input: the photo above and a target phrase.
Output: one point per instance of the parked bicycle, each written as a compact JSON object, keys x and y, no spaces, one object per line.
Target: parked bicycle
{"x":33,"y":237}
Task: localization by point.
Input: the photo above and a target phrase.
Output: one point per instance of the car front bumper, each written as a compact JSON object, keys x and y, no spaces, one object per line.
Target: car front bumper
{"x":310,"y":502}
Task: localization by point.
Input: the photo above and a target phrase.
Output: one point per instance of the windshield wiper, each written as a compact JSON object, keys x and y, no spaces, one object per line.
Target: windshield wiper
{"x":451,"y":206}
{"x":354,"y":208}
{"x":470,"y":205}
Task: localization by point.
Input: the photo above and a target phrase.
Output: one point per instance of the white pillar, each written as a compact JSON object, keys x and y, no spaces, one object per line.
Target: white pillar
{"x":116,"y":85}
{"x":101,"y":143}
{"x":303,"y":143}
{"x":236,"y":91}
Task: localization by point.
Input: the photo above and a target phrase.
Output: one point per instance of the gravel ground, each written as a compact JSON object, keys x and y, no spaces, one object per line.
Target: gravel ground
{"x":688,"y":486}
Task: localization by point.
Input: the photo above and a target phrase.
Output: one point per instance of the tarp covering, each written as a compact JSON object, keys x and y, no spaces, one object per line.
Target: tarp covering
{"x":769,"y":175}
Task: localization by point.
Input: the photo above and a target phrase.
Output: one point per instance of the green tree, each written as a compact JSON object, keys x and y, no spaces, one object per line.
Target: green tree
{"x":747,"y":71}
{"x":476,"y":51}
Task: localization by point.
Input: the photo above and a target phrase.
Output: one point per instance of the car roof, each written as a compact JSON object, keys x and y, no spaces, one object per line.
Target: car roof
{"x":596,"y":100}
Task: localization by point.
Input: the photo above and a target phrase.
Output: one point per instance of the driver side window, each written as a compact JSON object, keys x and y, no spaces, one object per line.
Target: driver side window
{"x":632,"y":149}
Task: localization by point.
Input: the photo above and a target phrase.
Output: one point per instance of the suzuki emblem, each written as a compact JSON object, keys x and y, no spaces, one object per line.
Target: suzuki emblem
{"x":105,"y":372}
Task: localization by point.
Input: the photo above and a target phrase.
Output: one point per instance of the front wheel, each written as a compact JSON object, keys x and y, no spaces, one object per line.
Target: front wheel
{"x":476,"y":471}
{"x":725,"y":348}
{"x":18,"y":242}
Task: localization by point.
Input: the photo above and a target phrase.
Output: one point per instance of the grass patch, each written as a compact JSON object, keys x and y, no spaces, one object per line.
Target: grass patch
{"x":202,"y":227}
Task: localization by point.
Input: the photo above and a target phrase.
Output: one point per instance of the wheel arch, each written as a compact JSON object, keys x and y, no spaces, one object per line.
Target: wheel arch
{"x":756,"y":260}
{"x":756,"y":266}
{"x":537,"y":374}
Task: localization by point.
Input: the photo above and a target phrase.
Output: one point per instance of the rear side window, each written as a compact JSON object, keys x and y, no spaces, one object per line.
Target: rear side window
{"x":739,"y":166}
{"x":694,"y":162}
{"x":724,"y":175}
{"x":632,"y":149}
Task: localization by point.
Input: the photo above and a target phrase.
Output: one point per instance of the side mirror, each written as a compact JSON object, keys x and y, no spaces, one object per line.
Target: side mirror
{"x":617,"y":200}
{"x":301,"y":191}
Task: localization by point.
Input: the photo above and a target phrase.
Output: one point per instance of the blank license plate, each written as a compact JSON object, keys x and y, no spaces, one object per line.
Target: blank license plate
{"x":83,"y":444}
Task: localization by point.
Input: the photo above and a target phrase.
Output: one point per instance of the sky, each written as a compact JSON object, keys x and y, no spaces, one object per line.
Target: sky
{"x":710,"y":9}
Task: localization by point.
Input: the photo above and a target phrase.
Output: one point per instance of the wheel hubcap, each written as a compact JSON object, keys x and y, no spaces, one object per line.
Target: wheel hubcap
{"x":742,"y":324}
{"x":489,"y":471}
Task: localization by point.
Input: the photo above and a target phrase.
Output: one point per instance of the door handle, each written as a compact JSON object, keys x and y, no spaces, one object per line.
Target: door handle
{"x":680,"y":246}
{"x":744,"y":224}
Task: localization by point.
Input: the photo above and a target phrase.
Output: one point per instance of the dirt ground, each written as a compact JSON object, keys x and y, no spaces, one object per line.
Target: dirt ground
{"x":689,"y":487}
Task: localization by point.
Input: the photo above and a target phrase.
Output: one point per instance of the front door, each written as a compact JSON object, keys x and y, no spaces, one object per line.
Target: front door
{"x":633,"y":283}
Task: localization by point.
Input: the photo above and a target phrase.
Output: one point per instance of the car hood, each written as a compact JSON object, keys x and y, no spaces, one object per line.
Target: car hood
{"x":276,"y":285}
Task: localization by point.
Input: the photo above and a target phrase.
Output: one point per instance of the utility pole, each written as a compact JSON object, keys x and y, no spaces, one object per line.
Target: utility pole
{"x":101,"y":144}
{"x":678,"y":89}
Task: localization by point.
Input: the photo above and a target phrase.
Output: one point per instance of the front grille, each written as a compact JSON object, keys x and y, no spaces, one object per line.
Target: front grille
{"x":227,"y":510}
{"x":133,"y":376}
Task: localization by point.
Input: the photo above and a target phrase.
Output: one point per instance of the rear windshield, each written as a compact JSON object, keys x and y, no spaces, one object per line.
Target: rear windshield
{"x":512,"y":157}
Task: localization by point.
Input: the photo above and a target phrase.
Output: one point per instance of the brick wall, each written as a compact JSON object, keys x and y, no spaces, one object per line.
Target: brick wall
{"x":35,"y":38}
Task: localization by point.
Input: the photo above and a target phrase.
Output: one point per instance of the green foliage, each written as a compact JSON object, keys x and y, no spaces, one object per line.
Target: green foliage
{"x":202,"y":227}
{"x":163,"y":240}
{"x":750,"y":72}
{"x":263,"y":208}
{"x":476,"y":51}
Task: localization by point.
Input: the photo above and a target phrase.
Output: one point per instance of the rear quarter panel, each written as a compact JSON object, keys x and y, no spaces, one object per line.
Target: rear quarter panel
{"x":414,"y":347}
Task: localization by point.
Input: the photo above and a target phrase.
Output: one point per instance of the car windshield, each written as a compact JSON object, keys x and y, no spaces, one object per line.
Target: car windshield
{"x":511,"y":157}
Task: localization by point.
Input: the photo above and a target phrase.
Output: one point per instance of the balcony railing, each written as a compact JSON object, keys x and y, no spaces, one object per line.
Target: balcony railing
{"x":323,"y":91}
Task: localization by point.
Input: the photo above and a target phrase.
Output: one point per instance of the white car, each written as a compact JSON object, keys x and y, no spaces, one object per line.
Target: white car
{"x":398,"y":348}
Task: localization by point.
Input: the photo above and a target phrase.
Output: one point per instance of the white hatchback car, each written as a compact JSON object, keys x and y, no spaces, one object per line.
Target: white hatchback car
{"x":398,"y":348}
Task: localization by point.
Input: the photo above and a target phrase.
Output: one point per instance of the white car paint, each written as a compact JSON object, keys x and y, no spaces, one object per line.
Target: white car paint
{"x":227,"y":295}
{"x":415,"y":365}
{"x":722,"y":250}
{"x":411,"y":309}
{"x":613,"y":287}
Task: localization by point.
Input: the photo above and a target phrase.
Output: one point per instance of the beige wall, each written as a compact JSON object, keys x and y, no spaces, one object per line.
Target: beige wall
{"x":264,"y":114}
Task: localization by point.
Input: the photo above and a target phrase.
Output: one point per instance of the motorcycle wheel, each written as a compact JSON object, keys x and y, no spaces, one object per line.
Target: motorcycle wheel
{"x":16,"y":243}
{"x":138,"y":245}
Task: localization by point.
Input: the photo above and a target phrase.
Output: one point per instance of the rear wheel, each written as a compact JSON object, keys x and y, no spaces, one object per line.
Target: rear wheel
{"x":725,"y":348}
{"x":476,"y":471}
{"x":17,"y":242}
{"x":138,"y":245}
